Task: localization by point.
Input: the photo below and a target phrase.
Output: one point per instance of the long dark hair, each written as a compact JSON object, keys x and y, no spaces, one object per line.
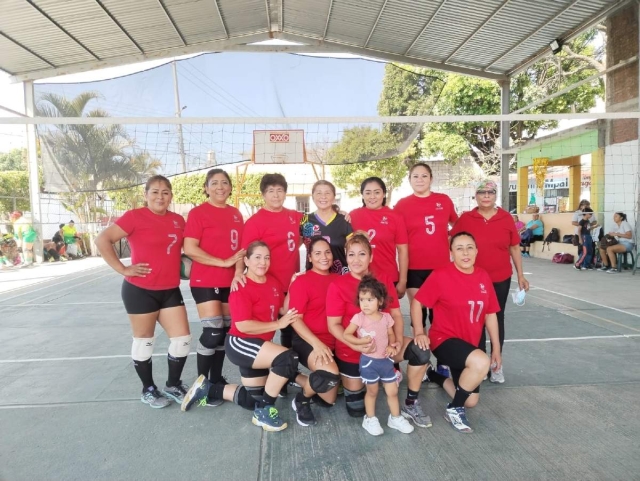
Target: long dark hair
{"x":382,"y":185}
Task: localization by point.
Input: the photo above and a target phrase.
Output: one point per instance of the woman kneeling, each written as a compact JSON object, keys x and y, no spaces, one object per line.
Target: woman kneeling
{"x":464,"y":301}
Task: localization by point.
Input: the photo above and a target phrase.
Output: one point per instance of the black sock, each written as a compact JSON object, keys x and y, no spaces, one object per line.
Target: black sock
{"x":436,"y":378}
{"x":176,"y":365}
{"x":266,"y":400}
{"x":412,"y":397}
{"x":216,"y":391}
{"x":143,"y":368}
{"x":215,"y":371}
{"x":204,"y":364}
{"x":460,"y":397}
{"x":301,"y":398}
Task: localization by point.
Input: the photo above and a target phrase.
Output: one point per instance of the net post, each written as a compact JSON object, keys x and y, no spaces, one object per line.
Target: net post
{"x":505,"y":96}
{"x":32,"y":159}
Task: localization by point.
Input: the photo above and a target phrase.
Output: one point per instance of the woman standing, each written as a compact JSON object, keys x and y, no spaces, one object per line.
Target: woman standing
{"x":623,"y":233}
{"x":427,"y":216}
{"x":498,"y":243}
{"x":328,"y":223}
{"x":386,"y":231}
{"x":150,"y":291}
{"x":279,"y":228}
{"x":463,"y":298}
{"x":342,"y":306}
{"x":212,"y":241}
{"x":265,"y":367}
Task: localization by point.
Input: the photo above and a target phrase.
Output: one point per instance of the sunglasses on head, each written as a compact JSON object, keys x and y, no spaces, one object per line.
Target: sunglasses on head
{"x":485,"y":192}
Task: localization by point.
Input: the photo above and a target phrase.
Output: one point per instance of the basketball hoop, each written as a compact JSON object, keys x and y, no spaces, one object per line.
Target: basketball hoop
{"x":279,"y":147}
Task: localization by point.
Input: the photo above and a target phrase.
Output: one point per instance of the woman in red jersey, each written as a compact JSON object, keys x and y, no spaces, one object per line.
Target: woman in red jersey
{"x":464,"y":301}
{"x":342,"y":305}
{"x":386,"y":230}
{"x":212,"y":240}
{"x":427,"y":216}
{"x":312,"y":341}
{"x":279,"y":228}
{"x":151,"y":287}
{"x":265,"y":367}
{"x":498,"y":244}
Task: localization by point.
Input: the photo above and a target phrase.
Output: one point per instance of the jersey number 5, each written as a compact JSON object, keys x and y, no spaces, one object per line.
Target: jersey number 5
{"x":431,"y":226}
{"x":472,"y":308}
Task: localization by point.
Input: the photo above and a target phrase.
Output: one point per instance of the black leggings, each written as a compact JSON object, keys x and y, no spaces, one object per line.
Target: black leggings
{"x":502,"y":293}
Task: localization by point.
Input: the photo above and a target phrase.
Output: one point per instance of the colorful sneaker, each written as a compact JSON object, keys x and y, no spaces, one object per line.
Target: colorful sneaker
{"x":443,"y":370}
{"x":176,"y":393}
{"x":497,"y":376}
{"x":400,"y":423}
{"x":372,"y":426}
{"x":304,"y":415}
{"x":458,"y":419}
{"x":197,"y":393}
{"x":416,"y":414}
{"x":153,"y":398}
{"x":268,"y":419}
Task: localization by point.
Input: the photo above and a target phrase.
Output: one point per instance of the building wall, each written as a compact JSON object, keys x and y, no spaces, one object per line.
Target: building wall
{"x":621,"y":179}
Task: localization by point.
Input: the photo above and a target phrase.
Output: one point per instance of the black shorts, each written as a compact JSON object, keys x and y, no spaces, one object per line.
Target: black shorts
{"x":206,"y":294}
{"x":144,"y":301}
{"x":302,"y":348}
{"x":242,"y":352}
{"x":416,"y":277}
{"x":348,"y":369}
{"x":454,"y":353}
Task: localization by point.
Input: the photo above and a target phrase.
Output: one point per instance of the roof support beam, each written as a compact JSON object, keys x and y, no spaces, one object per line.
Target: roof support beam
{"x":59,"y":27}
{"x":266,"y":5}
{"x":226,"y":32}
{"x":173,"y":24}
{"x":122,"y":29}
{"x":375,"y":24}
{"x":424,"y":29}
{"x":326,"y":25}
{"x":281,"y":29}
{"x":473,"y":34}
{"x":27,"y":49}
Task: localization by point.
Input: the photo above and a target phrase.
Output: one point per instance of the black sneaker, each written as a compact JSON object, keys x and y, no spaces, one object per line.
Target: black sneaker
{"x":304,"y":415}
{"x":197,"y":393}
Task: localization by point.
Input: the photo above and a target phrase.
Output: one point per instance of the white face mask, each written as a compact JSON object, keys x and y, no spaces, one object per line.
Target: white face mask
{"x":518,"y":297}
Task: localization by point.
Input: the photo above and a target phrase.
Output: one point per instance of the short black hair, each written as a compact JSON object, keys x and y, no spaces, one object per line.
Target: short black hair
{"x":269,"y":180}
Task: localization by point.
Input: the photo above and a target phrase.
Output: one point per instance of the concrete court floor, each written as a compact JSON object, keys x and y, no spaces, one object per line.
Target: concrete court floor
{"x":69,"y":405}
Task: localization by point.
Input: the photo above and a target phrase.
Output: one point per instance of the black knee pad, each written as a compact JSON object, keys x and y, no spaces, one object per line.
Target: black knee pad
{"x":247,"y":397}
{"x":285,"y":364}
{"x":416,"y":356}
{"x":323,"y":381}
{"x":355,"y":402}
{"x":212,"y":337}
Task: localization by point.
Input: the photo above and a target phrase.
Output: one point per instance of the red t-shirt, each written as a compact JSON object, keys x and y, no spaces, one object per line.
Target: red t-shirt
{"x":342,"y":297}
{"x":219,"y":231}
{"x":427,"y":220}
{"x":256,"y":302}
{"x":156,"y":240}
{"x":308,"y":294}
{"x":386,"y":230}
{"x":493,"y":237}
{"x":281,"y":232}
{"x":460,"y":303}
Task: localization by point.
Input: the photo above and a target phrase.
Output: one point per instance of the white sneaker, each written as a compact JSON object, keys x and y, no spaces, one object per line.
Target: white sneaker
{"x":372,"y":425}
{"x":497,"y":376}
{"x":399,"y":423}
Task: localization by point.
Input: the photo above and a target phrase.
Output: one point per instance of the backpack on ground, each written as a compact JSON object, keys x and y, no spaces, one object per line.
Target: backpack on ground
{"x":553,"y":236}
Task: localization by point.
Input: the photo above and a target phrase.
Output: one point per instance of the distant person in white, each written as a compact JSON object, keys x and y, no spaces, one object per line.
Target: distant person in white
{"x":623,"y":234}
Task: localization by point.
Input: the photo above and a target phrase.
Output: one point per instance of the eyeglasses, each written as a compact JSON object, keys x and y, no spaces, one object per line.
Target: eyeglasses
{"x":485,"y":192}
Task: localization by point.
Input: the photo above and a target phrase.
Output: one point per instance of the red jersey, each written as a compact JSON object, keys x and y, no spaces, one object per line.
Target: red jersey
{"x":281,"y":232}
{"x":493,"y":237}
{"x":256,"y":302}
{"x":219,"y":230}
{"x":460,"y":303}
{"x":427,"y":220}
{"x":342,"y":297}
{"x":156,"y":240}
{"x":386,"y":230}
{"x":308,"y":294}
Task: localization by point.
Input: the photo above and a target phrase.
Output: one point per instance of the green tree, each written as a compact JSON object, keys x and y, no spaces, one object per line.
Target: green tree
{"x":15,"y":159}
{"x":14,"y":185}
{"x":249,"y":196}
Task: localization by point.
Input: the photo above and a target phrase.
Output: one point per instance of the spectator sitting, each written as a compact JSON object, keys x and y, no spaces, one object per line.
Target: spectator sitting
{"x":520,"y":227}
{"x":534,"y":231}
{"x":623,"y":234}
{"x":70,"y":236}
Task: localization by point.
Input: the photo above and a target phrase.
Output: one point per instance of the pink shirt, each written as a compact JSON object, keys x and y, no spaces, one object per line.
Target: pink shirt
{"x":378,"y":330}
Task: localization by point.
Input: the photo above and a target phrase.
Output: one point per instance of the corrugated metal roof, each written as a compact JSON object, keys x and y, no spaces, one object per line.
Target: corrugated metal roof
{"x":488,"y":38}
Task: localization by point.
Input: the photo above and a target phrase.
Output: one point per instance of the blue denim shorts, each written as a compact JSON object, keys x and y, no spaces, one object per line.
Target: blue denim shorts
{"x":374,"y":370}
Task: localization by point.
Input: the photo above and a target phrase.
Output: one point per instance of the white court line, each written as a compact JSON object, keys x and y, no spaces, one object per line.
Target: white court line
{"x":74,"y":304}
{"x":127,"y":356}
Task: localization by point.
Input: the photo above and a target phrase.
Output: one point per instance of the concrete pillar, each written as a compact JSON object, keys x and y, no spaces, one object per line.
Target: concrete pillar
{"x":575,"y":183}
{"x":597,"y":180}
{"x":32,"y":156}
{"x":505,"y":96}
{"x":523,"y":189}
